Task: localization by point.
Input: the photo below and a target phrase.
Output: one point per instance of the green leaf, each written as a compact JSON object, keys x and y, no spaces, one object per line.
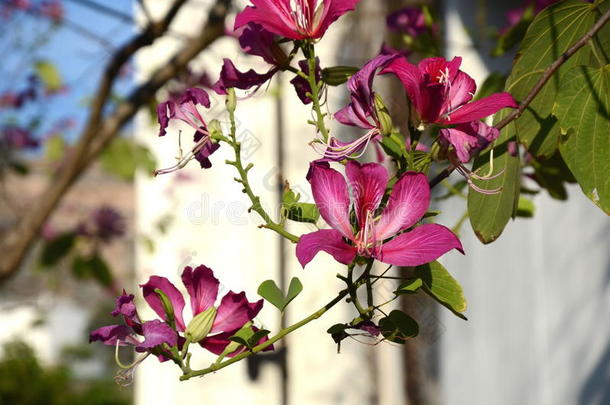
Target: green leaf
{"x":493,"y":84}
{"x":48,"y":75}
{"x":551,"y":33}
{"x":56,"y":249}
{"x":489,"y":213}
{"x":294,"y":289}
{"x":93,"y":267}
{"x":271,"y":292}
{"x":123,"y":157}
{"x":410,"y":286}
{"x":526,"y":208}
{"x":256,"y":337}
{"x":55,"y":148}
{"x":552,"y":174}
{"x":397,"y":327}
{"x":583,"y":108}
{"x":298,"y":211}
{"x":441,"y":286}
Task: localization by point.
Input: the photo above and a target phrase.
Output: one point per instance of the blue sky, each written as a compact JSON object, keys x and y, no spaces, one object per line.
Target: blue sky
{"x":75,"y":48}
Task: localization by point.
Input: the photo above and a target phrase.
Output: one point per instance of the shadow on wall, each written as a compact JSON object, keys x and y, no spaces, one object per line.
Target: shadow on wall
{"x":596,"y":389}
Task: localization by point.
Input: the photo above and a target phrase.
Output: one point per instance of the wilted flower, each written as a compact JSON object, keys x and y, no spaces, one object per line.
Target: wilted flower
{"x":384,"y":235}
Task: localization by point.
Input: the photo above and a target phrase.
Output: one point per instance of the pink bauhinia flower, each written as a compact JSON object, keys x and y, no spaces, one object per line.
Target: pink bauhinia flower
{"x":295,"y":19}
{"x":386,"y":235}
{"x":233,"y":312}
{"x":441,"y":93}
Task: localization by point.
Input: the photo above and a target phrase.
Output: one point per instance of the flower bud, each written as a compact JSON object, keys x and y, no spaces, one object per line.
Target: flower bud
{"x":231,"y":102}
{"x":215,"y":129}
{"x":167,"y":307}
{"x":337,"y":75}
{"x":383,"y":116}
{"x":199,"y":327}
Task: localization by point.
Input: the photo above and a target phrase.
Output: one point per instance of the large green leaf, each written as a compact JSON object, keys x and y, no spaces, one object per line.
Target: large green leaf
{"x":441,"y":286}
{"x":123,"y":157}
{"x":489,"y":213}
{"x":583,"y":109}
{"x":551,"y":33}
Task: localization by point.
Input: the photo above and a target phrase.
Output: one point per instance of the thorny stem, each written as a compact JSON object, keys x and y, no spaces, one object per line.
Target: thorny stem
{"x":247,"y":189}
{"x":310,"y":54}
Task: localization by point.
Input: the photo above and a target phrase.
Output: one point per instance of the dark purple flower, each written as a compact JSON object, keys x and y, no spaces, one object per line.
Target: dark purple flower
{"x":409,"y":20}
{"x":301,"y":85}
{"x":296,"y":19}
{"x":145,"y":336}
{"x":109,"y":224}
{"x":468,"y":139}
{"x":185,"y":109}
{"x":361,"y":112}
{"x":18,"y":138}
{"x":257,"y":41}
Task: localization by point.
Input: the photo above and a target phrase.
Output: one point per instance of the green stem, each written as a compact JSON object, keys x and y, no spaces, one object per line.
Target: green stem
{"x":369,"y":284}
{"x":262,"y":346}
{"x":352,"y":288}
{"x":310,"y":53}
{"x":243,"y":180}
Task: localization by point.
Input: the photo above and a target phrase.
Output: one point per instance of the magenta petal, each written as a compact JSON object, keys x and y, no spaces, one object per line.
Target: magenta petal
{"x":231,"y":77}
{"x":126,"y":307}
{"x":272,"y":15}
{"x":461,"y":91}
{"x":411,"y":78}
{"x":481,"y":108}
{"x":156,"y":333}
{"x":422,"y":245}
{"x":333,"y":9}
{"x":233,"y":312}
{"x":175,"y":297}
{"x":202,"y":287}
{"x":255,"y":40}
{"x":408,"y":203}
{"x":368,"y":183}
{"x":330,"y":193}
{"x":327,"y":240}
{"x":110,"y":335}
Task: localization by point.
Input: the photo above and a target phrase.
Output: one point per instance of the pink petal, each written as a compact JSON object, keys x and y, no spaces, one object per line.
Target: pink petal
{"x":481,"y":108}
{"x":330,"y":193}
{"x":217,"y":343}
{"x":272,"y":15}
{"x":333,"y":9}
{"x":411,"y":78}
{"x":461,"y":141}
{"x":202,"y":287}
{"x":368,"y":183}
{"x":327,"y":240}
{"x":156,"y":333}
{"x":234,"y":311}
{"x":408,"y":203}
{"x":175,"y":297}
{"x":461,"y":91}
{"x":422,"y":245}
{"x":439,"y":67}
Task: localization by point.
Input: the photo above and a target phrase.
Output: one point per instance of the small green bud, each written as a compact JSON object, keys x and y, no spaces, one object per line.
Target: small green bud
{"x":337,"y":75}
{"x":199,"y":327}
{"x":231,"y":102}
{"x":167,"y":307}
{"x":215,"y":129}
{"x":385,"y":120}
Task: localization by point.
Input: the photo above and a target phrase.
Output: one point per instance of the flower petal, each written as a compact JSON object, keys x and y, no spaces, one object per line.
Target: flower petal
{"x":330,"y":193}
{"x":111,"y":334}
{"x":327,"y":240}
{"x":408,"y":203}
{"x":175,"y":297}
{"x":422,"y":245}
{"x":481,"y":108}
{"x":202,"y":287}
{"x":217,"y":343}
{"x":156,"y":333}
{"x":368,"y":183}
{"x":234,"y":311}
{"x":333,"y":9}
{"x":272,"y":15}
{"x":411,"y":78}
{"x":231,"y":77}
{"x":255,"y":40}
{"x":461,"y":91}
{"x":468,"y":139}
{"x":126,"y":307}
